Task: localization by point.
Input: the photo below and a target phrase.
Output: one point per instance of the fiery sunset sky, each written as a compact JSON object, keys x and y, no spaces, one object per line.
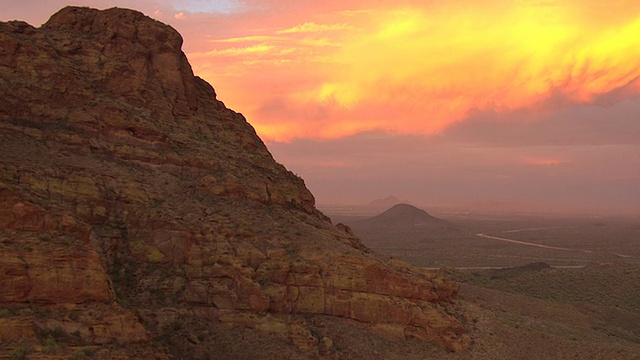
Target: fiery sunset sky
{"x":493,"y":104}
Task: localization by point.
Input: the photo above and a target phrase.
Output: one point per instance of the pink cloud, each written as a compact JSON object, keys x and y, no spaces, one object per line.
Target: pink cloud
{"x":544,"y":161}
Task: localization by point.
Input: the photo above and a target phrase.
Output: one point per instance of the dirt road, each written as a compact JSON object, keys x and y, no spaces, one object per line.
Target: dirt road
{"x":532,"y":244}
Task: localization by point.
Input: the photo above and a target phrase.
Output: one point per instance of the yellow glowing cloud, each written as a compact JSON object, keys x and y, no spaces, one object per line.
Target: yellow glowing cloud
{"x":422,"y":68}
{"x":312,"y":27}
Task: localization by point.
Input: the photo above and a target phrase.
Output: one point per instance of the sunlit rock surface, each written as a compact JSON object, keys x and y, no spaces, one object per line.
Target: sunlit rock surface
{"x":142,"y":218}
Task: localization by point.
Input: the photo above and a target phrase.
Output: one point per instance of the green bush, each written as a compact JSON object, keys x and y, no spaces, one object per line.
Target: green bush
{"x":56,"y":333}
{"x":81,"y":354}
{"x":50,"y":346}
{"x":19,"y":353}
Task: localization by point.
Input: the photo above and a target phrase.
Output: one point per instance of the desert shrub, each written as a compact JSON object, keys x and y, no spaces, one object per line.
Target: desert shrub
{"x":176,"y":325}
{"x":56,"y":333}
{"x":78,"y":355}
{"x":88,"y":351}
{"x":50,"y":346}
{"x":19,"y":353}
{"x":82,"y":354}
{"x":74,"y":315}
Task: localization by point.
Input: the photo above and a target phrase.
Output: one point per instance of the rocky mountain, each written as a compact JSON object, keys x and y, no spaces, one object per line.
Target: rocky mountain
{"x":385,"y":203}
{"x":403,"y":215}
{"x":403,"y":226}
{"x":142,"y":218}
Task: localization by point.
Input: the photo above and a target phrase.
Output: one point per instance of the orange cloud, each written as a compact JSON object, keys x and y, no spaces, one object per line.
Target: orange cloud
{"x":311,"y":27}
{"x":544,"y":161}
{"x":420,"y":68}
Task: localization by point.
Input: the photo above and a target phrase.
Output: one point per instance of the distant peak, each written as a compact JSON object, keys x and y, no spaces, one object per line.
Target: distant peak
{"x":404,"y":216}
{"x":406,"y":209}
{"x":404,"y":206}
{"x":386,"y":202}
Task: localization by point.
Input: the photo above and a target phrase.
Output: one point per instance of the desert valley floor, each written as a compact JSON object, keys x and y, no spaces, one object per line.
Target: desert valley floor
{"x":534,"y":287}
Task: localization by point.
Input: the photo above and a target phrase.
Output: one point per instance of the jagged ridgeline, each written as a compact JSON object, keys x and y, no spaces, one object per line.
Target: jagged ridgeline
{"x":140,"y":217}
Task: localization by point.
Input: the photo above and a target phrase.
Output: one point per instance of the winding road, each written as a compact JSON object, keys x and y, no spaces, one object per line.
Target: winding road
{"x":532,"y":244}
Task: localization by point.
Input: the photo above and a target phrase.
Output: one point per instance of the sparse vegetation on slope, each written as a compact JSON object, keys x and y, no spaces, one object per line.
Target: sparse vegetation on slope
{"x":143,"y":218}
{"x":518,"y":305}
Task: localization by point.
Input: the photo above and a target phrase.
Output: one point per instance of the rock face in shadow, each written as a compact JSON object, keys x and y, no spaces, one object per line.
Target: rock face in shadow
{"x":137,"y":210}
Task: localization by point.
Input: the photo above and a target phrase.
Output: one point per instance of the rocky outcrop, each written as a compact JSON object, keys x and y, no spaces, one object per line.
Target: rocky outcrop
{"x":127,"y":188}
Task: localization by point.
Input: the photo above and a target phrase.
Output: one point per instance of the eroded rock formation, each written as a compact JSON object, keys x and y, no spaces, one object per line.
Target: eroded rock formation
{"x":137,"y":210}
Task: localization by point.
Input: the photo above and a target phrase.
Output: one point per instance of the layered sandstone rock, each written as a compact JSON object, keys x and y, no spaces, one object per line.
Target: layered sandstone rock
{"x":124,"y":181}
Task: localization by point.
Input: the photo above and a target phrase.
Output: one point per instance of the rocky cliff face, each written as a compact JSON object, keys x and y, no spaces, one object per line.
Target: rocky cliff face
{"x":139,"y":217}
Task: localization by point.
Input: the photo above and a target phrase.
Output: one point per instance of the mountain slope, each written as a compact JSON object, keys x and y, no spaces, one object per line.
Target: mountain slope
{"x":403,"y":215}
{"x":403,"y":226}
{"x":142,"y":218}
